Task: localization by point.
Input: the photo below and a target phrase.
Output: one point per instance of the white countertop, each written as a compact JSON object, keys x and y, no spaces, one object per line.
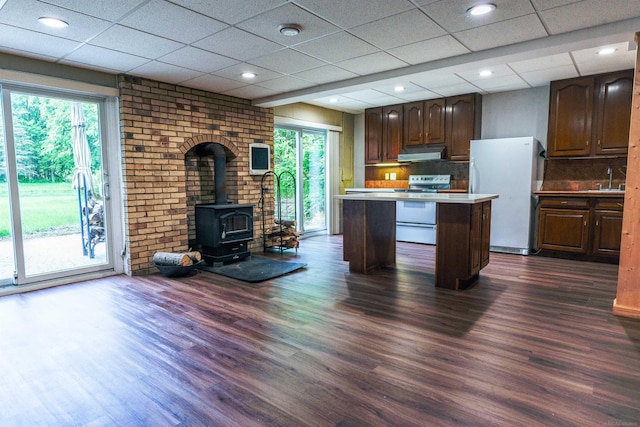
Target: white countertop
{"x":462,"y":198}
{"x":369,"y":190}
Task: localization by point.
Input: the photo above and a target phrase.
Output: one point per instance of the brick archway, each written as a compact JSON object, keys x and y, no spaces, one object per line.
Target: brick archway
{"x":230,"y":148}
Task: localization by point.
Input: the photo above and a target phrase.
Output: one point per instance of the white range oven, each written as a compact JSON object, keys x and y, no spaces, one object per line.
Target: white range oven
{"x":416,"y":221}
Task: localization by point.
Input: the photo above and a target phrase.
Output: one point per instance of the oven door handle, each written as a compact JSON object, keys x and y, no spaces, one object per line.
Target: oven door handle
{"x":416,"y":224}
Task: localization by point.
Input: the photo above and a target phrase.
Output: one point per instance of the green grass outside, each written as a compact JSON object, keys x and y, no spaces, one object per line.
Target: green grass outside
{"x":44,"y":207}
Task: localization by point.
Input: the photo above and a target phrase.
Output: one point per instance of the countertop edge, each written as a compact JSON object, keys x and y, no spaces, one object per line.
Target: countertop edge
{"x":578,"y":193}
{"x":460,"y":198}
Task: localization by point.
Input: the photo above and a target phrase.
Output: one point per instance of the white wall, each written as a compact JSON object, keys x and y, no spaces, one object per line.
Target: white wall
{"x":516,"y":113}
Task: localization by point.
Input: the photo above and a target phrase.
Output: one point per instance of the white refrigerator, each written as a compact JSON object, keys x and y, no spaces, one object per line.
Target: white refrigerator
{"x":507,"y":167}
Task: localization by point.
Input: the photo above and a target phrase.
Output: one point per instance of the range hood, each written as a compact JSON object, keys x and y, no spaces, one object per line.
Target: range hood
{"x":434,"y":152}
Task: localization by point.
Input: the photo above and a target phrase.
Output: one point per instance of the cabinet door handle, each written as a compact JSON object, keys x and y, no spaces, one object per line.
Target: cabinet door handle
{"x":563,"y":203}
{"x":598,"y":142}
{"x":587,"y":142}
{"x":585,"y":223}
{"x":597,"y":223}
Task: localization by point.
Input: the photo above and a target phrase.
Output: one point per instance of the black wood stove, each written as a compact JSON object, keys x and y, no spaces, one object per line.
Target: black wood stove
{"x":223,"y":230}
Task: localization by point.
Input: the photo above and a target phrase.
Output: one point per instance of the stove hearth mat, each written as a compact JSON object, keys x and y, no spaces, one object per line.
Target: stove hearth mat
{"x":255,"y":269}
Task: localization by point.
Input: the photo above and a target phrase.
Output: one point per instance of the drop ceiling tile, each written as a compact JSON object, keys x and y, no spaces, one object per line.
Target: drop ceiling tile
{"x":373,"y":63}
{"x":429,"y":50}
{"x":341,"y":13}
{"x":342,"y":104}
{"x":551,"y":61}
{"x":238,"y":44}
{"x":37,"y":43}
{"x":588,"y":13}
{"x":434,"y":79}
{"x":165,"y":72}
{"x":213,"y":83}
{"x":250,"y":92}
{"x":197,"y":59}
{"x":452,"y":14}
{"x":502,"y":33}
{"x":230,"y":12}
{"x":286,"y":84}
{"x":550,"y":4}
{"x":266,"y":25}
{"x":336,"y":47}
{"x":25,"y":14}
{"x":235,"y":73}
{"x":185,"y":26}
{"x":501,"y":83}
{"x":146,"y":45}
{"x":26,"y":54}
{"x":373,"y":97}
{"x":419,"y":95}
{"x":110,"y":10}
{"x":287,"y":61}
{"x":589,"y":62}
{"x":105,"y":58}
{"x":543,"y":77}
{"x":388,"y":87}
{"x":456,"y":89}
{"x":472,"y":74}
{"x":325,"y":74}
{"x":399,"y":30}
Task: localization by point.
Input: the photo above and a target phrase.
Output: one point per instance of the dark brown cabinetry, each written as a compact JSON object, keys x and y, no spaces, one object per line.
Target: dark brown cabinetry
{"x":410,"y":127}
{"x":383,"y":133}
{"x":563,"y":225}
{"x":392,"y":121}
{"x":373,"y":135}
{"x":464,"y":233}
{"x":463,"y":119}
{"x":590,"y":116}
{"x":588,"y":227}
{"x":424,"y":123}
{"x":607,"y":230}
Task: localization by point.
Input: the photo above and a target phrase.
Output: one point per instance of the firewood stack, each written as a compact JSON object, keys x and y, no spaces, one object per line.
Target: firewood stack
{"x":282,"y":234}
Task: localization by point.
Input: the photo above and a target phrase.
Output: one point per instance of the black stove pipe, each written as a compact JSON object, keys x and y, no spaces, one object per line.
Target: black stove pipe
{"x":219,"y":169}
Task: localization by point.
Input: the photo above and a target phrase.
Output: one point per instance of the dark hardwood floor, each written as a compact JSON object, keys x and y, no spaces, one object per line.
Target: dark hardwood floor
{"x":532,"y":343}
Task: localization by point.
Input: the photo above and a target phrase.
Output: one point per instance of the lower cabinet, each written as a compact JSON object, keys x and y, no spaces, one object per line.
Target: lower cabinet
{"x":589,"y":228}
{"x":607,"y":229}
{"x":462,"y":248}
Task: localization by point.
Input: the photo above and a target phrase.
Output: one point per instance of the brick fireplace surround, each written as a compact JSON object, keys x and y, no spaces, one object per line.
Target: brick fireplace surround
{"x":161,"y":124}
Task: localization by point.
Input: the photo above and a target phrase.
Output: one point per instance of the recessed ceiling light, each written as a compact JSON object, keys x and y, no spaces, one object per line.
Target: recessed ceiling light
{"x":606,"y":51}
{"x":398,"y":89}
{"x":481,"y":9}
{"x":289,"y":30}
{"x":485,"y":73}
{"x":53,"y":22}
{"x":248,"y":75}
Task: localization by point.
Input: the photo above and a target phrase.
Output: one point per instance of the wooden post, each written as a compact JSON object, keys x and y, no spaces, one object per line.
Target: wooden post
{"x":627,"y":302}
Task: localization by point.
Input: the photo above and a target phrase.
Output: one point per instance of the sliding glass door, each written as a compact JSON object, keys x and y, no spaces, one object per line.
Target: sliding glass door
{"x":53,"y":210}
{"x":302,"y":152}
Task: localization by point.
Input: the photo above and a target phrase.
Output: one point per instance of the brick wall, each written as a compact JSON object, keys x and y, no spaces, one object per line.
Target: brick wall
{"x":161,"y":124}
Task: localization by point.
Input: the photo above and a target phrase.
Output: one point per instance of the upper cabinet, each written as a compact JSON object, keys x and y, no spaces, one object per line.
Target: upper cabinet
{"x":392,"y":121}
{"x":590,"y":116}
{"x":463,"y":121}
{"x":383,"y":133}
{"x":424,"y":123}
{"x":412,"y":127}
{"x":373,"y":135}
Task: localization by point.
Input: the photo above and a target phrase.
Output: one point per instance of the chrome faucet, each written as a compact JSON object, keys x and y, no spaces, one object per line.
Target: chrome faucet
{"x":610,"y":173}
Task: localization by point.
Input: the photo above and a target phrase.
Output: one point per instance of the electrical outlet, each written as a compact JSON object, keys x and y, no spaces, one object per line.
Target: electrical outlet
{"x":392,"y":176}
{"x":386,"y":176}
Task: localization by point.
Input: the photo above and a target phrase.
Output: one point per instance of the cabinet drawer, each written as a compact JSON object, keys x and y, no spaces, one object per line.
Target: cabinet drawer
{"x":565,"y":202}
{"x":610,"y":204}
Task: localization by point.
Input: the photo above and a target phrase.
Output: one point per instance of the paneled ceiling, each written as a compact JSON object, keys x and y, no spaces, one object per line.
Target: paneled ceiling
{"x":349,"y":54}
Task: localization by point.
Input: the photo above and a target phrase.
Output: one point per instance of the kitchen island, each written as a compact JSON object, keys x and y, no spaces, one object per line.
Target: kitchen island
{"x":462,"y":240}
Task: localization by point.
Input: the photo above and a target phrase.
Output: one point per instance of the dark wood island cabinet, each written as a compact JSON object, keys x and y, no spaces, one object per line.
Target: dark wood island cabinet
{"x":462,"y":244}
